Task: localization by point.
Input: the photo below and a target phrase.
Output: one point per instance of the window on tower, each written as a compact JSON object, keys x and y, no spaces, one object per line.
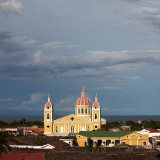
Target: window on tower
{"x":47,"y":107}
{"x":81,"y":110}
{"x":47,"y":126}
{"x":95,"y":107}
{"x":78,"y":110}
{"x":85,"y":110}
{"x":47,"y":115}
{"x":95,"y":115}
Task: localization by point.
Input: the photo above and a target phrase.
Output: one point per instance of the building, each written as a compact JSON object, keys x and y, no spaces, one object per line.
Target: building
{"x":87,"y":117}
{"x":10,"y":130}
{"x":110,"y":138}
{"x":150,"y":132}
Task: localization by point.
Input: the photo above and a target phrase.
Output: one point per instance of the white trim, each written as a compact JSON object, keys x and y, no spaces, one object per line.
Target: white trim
{"x":46,"y":146}
{"x":47,"y":109}
{"x":83,"y":105}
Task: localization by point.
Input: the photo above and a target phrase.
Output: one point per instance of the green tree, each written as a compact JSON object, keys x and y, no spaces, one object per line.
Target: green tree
{"x":4,"y":147}
{"x":130,"y":123}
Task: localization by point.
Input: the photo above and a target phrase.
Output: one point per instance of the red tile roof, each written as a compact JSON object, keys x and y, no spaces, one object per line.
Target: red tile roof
{"x":20,"y":156}
{"x":153,"y":130}
{"x":35,"y":129}
{"x":10,"y":127}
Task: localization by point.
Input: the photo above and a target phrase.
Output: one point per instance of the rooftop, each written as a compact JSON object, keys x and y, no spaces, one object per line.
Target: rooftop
{"x":104,"y":133}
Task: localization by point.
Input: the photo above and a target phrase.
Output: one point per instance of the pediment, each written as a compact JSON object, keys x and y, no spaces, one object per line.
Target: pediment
{"x":72,"y":118}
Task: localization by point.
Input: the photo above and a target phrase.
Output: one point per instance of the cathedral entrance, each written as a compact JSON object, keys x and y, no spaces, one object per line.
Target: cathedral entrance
{"x":72,"y":129}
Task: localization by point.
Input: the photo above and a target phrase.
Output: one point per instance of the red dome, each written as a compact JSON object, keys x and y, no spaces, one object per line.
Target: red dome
{"x":48,"y":104}
{"x":83,"y":101}
{"x":95,"y":104}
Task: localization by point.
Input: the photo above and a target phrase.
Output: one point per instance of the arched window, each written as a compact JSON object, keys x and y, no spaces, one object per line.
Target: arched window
{"x":144,"y":143}
{"x":95,"y":107}
{"x":47,"y":115}
{"x":85,"y":110}
{"x":81,"y":110}
{"x":72,"y":129}
{"x":88,"y":111}
{"x":88,"y":128}
{"x":56,"y":129}
{"x":78,"y":110}
{"x":47,"y":107}
{"x":61,"y":129}
{"x":95,"y":115}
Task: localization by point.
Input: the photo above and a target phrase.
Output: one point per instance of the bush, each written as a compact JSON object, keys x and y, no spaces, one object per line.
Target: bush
{"x":39,"y":143}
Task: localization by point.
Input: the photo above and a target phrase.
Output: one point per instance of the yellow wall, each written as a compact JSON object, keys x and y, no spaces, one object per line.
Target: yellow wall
{"x":130,"y":139}
{"x":48,"y":122}
{"x":50,"y":118}
{"x":98,"y":114}
{"x":79,"y":123}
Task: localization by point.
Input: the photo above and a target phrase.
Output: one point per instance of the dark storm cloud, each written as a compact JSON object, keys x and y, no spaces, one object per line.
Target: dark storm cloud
{"x":10,"y":43}
{"x":92,"y":63}
{"x":18,"y":60}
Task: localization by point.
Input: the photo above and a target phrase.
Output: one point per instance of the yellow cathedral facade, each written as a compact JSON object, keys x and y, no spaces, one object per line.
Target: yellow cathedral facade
{"x":87,"y":117}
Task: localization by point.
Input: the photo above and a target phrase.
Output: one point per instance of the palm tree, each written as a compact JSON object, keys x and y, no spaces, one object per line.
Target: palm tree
{"x":23,"y":121}
{"x":4,"y":147}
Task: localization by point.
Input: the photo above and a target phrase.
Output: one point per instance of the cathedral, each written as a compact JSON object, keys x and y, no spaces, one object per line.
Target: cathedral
{"x":87,"y":117}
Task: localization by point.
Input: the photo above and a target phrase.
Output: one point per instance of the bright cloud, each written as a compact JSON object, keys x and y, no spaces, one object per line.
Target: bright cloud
{"x":58,"y":45}
{"x":67,"y":104}
{"x":11,"y":7}
{"x":35,"y":102}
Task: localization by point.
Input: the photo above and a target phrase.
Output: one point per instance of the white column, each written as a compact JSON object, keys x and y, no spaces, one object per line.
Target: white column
{"x":130,"y":142}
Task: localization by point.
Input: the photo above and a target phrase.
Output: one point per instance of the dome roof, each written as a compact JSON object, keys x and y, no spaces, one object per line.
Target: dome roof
{"x":96,"y":104}
{"x":83,"y":100}
{"x":48,"y":104}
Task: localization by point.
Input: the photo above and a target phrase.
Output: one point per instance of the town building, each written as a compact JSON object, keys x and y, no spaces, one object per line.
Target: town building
{"x":87,"y":117}
{"x":111,"y":138}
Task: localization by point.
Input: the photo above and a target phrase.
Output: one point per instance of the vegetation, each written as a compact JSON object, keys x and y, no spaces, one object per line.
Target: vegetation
{"x":95,"y":148}
{"x":21,"y":123}
{"x":39,"y":143}
{"x":4,"y":147}
{"x":136,"y":126}
{"x":118,"y":145}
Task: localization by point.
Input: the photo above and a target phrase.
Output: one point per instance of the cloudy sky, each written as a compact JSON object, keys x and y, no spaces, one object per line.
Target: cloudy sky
{"x":111,"y":47}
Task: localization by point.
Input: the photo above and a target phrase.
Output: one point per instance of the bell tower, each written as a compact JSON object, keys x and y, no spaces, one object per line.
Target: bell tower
{"x":48,"y":117}
{"x":96,"y":113}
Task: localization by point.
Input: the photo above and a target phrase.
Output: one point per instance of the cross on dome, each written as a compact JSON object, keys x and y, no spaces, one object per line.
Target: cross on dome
{"x":96,"y":98}
{"x":48,"y":97}
{"x":83,"y":94}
